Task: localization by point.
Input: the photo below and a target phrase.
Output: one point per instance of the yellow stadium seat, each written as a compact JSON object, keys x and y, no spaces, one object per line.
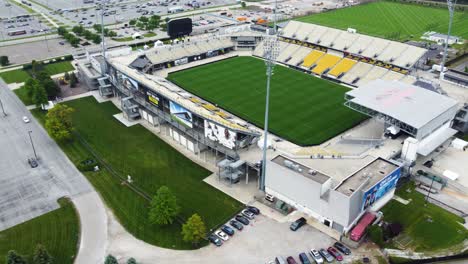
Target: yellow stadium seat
{"x":311,"y":58}
{"x":327,"y":61}
{"x":343,"y":66}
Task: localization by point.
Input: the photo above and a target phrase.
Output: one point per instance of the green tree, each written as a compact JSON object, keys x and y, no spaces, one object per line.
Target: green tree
{"x":49,"y":85}
{"x":73,"y":80}
{"x":164,"y":207}
{"x":29,"y":86}
{"x":111,"y":260}
{"x":4,"y":60}
{"x":39,"y":96}
{"x":96,"y":39}
{"x":59,"y":122}
{"x":66,"y":76}
{"x":61,"y":30}
{"x":41,"y":256}
{"x":132,"y":22}
{"x":243,"y":4}
{"x":376,"y":235}
{"x":193,"y":230}
{"x":78,"y":30}
{"x":131,"y":261}
{"x":14,"y":258}
{"x":143,"y":19}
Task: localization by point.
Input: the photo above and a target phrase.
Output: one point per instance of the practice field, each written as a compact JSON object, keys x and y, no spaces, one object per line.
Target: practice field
{"x":392,"y":20}
{"x":151,"y":163}
{"x":303,"y":109}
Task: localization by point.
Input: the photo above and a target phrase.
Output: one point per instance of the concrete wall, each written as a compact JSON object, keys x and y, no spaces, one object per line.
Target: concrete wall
{"x":437,"y":122}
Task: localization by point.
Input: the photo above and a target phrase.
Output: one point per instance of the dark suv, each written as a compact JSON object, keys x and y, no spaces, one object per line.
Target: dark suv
{"x":298,"y":223}
{"x":342,"y":248}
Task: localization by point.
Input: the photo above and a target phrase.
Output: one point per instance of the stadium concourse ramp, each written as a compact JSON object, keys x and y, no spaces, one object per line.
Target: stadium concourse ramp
{"x":344,"y":56}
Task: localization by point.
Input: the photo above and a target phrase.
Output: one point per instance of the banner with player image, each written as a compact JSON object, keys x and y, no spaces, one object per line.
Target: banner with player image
{"x":129,"y":83}
{"x":380,"y":189}
{"x":220,"y":134}
{"x":153,"y":98}
{"x":180,"y":114}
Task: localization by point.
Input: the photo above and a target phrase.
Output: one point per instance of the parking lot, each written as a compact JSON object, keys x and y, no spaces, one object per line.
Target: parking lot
{"x":256,"y":243}
{"x":123,"y":12}
{"x":8,"y":9}
{"x":23,"y":26}
{"x":27,"y":192}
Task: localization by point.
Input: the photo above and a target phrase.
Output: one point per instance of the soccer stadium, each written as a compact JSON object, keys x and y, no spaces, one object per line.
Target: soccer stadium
{"x":334,"y":94}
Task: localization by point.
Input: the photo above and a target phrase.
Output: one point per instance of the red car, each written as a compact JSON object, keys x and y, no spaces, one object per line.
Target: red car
{"x":291,"y":260}
{"x":335,"y":253}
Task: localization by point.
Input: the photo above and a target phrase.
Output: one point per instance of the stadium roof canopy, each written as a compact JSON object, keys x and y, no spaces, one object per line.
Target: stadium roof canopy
{"x":409,"y":107}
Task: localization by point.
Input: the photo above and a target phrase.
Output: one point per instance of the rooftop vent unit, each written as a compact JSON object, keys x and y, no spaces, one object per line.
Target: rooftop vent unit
{"x":313,"y":172}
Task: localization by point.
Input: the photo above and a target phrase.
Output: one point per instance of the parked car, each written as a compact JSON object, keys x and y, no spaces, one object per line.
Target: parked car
{"x":316,"y":256}
{"x":226,"y":229}
{"x":291,"y":260}
{"x":242,"y":219}
{"x":342,"y":248}
{"x":335,"y":253}
{"x":304,"y":259}
{"x":280,"y":260}
{"x":222,"y":235}
{"x":236,"y":225}
{"x":248,"y":214}
{"x":298,"y":223}
{"x":326,"y":255}
{"x":26,"y":119}
{"x":253,"y":209}
{"x":33,"y":162}
{"x":215,"y":240}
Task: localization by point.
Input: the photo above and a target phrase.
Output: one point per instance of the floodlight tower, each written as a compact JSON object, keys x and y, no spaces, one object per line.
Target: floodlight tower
{"x":271,"y":52}
{"x":103,"y":4}
{"x":451,"y":8}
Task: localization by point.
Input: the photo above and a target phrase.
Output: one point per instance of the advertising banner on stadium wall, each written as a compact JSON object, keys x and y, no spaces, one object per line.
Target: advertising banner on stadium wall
{"x":180,"y":114}
{"x":152,"y":98}
{"x":220,"y":134}
{"x":129,"y":83}
{"x":380,"y":189}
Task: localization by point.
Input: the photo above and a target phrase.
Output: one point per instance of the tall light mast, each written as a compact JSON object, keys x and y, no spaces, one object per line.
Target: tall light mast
{"x":271,"y":52}
{"x":451,"y":8}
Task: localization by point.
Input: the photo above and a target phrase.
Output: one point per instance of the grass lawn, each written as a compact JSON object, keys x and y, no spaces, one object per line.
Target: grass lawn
{"x":152,"y":163}
{"x":392,"y":20}
{"x":58,"y":231}
{"x":444,"y":231}
{"x":58,"y":67}
{"x":20,"y":75}
{"x":15,"y":76}
{"x":303,"y":109}
{"x":21,"y":93}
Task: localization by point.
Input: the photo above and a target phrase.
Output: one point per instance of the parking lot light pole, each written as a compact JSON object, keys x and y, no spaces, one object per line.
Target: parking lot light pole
{"x":3,"y":109}
{"x":451,"y":8}
{"x":32,"y":144}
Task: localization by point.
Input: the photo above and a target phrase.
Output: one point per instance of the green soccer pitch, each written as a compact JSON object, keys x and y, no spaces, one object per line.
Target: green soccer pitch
{"x":303,"y":109}
{"x":392,"y":20}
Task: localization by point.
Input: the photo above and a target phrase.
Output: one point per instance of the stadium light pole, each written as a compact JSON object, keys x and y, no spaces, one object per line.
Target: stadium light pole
{"x":451,"y":8}
{"x":103,"y":7}
{"x":271,"y":52}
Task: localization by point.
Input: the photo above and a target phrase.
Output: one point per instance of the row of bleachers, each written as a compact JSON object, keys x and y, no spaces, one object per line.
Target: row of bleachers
{"x":375,"y":73}
{"x":342,"y":67}
{"x":259,"y":50}
{"x":325,"y":62}
{"x":358,"y":71}
{"x":396,"y":53}
{"x":312,"y":57}
{"x":391,"y":75}
{"x":285,"y":54}
{"x":299,"y":56}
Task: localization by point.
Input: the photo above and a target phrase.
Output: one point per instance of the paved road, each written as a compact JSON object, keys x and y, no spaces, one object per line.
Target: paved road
{"x":27,"y":192}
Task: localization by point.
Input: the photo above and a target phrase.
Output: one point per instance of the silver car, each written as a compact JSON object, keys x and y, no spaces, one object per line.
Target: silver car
{"x":316,"y":256}
{"x":326,"y":255}
{"x":248,"y":214}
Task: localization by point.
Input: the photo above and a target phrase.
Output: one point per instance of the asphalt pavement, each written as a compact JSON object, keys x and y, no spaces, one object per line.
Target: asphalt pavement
{"x":27,"y":192}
